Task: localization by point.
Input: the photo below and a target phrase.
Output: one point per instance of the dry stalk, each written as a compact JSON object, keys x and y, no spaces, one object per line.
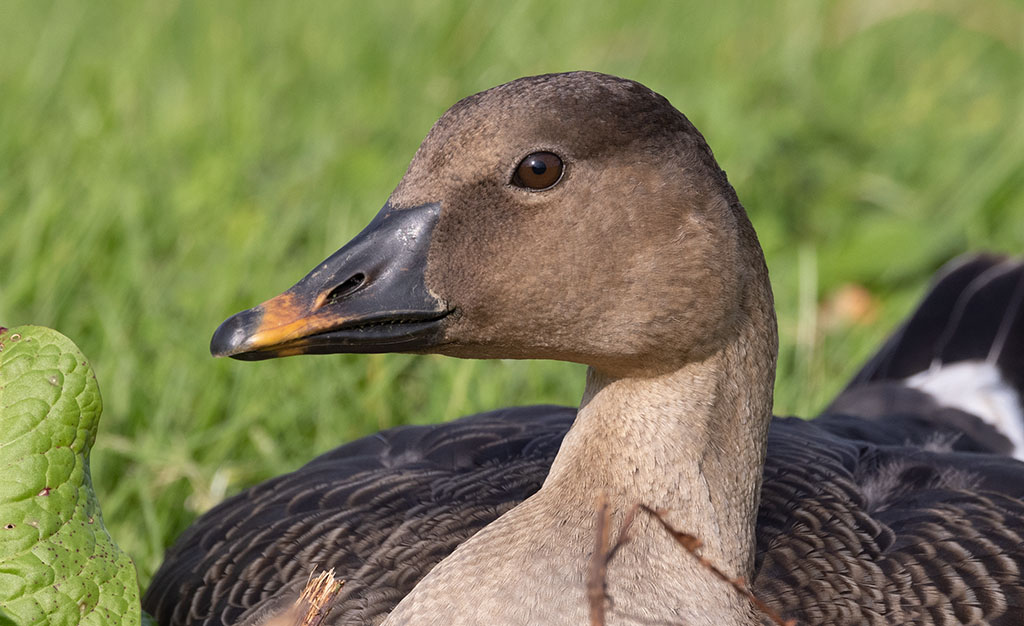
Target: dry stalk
{"x":692,"y":544}
{"x":597,"y":572}
{"x":310,"y":609}
{"x":597,"y":585}
{"x":604,"y":552}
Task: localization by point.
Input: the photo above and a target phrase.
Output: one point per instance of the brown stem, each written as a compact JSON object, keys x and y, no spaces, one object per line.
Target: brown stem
{"x":692,"y":544}
{"x":311,"y":608}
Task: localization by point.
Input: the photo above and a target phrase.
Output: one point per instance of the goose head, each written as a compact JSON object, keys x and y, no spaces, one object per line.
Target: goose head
{"x":577,"y":217}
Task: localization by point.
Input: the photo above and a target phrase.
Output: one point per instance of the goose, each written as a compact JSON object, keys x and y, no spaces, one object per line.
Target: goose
{"x":581,"y":217}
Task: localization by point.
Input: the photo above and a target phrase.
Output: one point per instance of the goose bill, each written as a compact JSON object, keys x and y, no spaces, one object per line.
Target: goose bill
{"x":369,"y":296}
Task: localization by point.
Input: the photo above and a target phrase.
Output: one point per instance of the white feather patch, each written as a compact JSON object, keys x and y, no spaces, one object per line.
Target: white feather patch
{"x":978,"y":388}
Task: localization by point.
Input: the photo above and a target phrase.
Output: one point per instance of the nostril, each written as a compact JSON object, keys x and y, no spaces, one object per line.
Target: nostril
{"x":344,"y":288}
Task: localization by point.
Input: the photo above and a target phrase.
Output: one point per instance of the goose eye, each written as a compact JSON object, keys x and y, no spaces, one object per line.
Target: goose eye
{"x":539,"y":170}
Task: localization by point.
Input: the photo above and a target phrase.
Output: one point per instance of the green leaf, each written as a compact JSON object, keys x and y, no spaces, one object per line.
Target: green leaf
{"x":58,"y":563}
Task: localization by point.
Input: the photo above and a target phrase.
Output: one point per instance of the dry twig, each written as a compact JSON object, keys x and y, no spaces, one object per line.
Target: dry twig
{"x":310,"y":609}
{"x":604,"y":552}
{"x":597,"y":574}
{"x":597,"y":584}
{"x":692,"y":544}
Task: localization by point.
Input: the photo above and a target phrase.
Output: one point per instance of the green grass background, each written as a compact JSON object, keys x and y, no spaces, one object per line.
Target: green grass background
{"x":165,"y":163}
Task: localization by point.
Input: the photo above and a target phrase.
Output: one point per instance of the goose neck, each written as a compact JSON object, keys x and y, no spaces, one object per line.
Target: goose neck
{"x":690,"y":443}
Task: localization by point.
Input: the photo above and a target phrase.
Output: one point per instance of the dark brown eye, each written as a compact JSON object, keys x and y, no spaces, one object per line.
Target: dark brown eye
{"x":539,"y":170}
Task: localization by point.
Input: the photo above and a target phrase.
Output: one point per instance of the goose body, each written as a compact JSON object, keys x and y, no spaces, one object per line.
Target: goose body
{"x":898,"y":505}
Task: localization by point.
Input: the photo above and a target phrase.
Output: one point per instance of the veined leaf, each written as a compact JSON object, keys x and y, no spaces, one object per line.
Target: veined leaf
{"x":58,"y":563}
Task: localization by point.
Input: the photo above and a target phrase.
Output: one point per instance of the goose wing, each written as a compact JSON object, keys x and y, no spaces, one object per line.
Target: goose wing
{"x":854,"y":532}
{"x":381,"y":511}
